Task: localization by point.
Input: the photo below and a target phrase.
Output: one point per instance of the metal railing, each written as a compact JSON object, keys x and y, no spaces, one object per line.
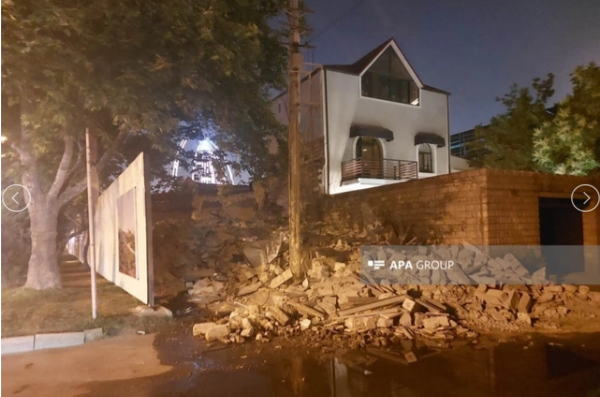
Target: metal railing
{"x":379,"y":169}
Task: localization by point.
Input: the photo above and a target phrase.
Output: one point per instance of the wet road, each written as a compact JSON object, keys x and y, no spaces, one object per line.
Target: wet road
{"x":565,"y":366}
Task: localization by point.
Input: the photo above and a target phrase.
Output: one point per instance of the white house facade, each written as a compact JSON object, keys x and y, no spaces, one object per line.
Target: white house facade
{"x":377,"y":121}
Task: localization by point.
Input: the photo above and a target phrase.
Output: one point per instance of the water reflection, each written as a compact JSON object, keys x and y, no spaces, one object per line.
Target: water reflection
{"x":538,"y":369}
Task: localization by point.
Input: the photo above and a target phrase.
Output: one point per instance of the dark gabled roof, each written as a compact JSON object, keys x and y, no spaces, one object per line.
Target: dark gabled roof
{"x":359,"y":66}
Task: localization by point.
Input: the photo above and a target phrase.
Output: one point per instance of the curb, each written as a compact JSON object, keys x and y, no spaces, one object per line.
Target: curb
{"x":22,"y":344}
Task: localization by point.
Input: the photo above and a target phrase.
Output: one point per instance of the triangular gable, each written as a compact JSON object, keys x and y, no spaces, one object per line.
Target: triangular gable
{"x":374,"y":56}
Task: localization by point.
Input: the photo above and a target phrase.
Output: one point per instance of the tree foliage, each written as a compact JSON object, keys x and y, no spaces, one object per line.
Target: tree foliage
{"x":131,"y":72}
{"x":507,"y":142}
{"x":570,"y":143}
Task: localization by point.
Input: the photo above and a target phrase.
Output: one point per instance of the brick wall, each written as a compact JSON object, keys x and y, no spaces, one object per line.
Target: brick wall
{"x":512,"y":203}
{"x":484,"y":207}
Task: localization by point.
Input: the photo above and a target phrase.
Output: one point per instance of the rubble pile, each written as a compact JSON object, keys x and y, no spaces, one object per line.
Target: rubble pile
{"x":335,"y":301}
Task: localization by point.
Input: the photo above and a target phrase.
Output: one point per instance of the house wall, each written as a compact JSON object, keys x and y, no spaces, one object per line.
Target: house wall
{"x":345,"y":107}
{"x":311,"y":107}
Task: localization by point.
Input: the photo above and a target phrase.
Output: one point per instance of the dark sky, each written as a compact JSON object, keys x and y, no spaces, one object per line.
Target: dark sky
{"x":473,"y":48}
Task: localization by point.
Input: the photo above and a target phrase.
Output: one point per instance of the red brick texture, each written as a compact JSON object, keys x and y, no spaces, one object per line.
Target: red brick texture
{"x":483,"y":206}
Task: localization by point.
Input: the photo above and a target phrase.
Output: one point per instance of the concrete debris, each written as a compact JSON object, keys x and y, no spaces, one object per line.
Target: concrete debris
{"x":279,"y":315}
{"x":361,"y":324}
{"x":255,"y":296}
{"x":151,"y":311}
{"x":433,"y":323}
{"x":594,"y":296}
{"x":217,"y":332}
{"x":202,"y":328}
{"x":280,"y":279}
{"x":305,"y":324}
{"x":249,"y":289}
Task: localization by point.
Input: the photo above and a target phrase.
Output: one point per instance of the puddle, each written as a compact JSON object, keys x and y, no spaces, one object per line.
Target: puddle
{"x":565,"y":366}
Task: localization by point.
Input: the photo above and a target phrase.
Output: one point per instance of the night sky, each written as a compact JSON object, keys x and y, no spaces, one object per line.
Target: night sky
{"x":473,"y":48}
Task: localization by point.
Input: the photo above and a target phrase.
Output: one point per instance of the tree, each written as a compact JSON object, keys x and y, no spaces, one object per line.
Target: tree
{"x":125,"y":70}
{"x":507,"y":142}
{"x":570,"y":143}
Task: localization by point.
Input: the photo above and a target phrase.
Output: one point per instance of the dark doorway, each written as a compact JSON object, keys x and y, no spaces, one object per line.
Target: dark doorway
{"x":561,"y":225}
{"x":370,"y":153}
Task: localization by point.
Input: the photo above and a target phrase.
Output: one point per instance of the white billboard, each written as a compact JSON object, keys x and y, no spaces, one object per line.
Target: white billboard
{"x":123,"y":232}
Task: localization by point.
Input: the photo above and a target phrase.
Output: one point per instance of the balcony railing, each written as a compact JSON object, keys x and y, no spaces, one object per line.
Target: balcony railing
{"x":379,"y":169}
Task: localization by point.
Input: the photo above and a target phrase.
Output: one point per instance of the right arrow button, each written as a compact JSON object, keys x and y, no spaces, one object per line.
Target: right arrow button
{"x":590,"y":192}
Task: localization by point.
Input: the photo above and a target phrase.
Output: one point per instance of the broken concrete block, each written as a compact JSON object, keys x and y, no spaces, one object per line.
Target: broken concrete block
{"x":248,"y":332}
{"x":418,"y":319}
{"x":524,"y":318}
{"x":433,"y":323}
{"x":405,"y":320}
{"x":563,"y":311}
{"x":594,"y":296}
{"x":282,"y":278}
{"x":361,"y":324}
{"x":328,"y":304}
{"x":339,"y":267}
{"x":279,"y":315}
{"x":202,"y":328}
{"x":318,"y":270}
{"x":209,"y":289}
{"x":246,"y":324}
{"x":217,"y":332}
{"x":498,"y":298}
{"x":305,"y":324}
{"x":546,"y":297}
{"x":217,"y":285}
{"x":555,"y":289}
{"x":584,"y":290}
{"x":409,"y":305}
{"x":525,"y":303}
{"x":249,"y":289}
{"x":384,"y":322}
{"x":203,"y":282}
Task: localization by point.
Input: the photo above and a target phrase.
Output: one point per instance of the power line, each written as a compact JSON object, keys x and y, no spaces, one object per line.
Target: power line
{"x":336,"y":21}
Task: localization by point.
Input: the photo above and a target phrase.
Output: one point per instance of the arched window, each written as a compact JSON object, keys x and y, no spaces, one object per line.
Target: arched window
{"x":425,"y":158}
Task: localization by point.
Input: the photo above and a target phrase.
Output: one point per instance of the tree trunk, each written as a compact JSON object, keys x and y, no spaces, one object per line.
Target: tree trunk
{"x":43,"y":272}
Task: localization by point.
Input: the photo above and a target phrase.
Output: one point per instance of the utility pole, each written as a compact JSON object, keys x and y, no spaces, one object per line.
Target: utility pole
{"x":92,"y":192}
{"x":295,"y":65}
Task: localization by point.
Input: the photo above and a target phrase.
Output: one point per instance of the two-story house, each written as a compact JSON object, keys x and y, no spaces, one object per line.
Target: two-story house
{"x":373,"y":122}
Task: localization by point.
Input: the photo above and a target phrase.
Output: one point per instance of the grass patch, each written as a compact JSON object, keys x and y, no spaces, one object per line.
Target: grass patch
{"x":27,"y":311}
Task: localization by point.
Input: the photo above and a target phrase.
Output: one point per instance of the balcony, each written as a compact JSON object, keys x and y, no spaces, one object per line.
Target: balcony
{"x":379,"y":169}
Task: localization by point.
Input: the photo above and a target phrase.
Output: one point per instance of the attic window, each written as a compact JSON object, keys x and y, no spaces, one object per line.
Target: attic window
{"x":389,"y":80}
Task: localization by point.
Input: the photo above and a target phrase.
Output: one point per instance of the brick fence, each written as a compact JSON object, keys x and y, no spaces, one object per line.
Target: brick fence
{"x":482,"y":206}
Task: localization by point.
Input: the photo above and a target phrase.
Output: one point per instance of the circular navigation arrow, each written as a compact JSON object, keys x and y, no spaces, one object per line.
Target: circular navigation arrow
{"x":18,"y":197}
{"x":588,"y":197}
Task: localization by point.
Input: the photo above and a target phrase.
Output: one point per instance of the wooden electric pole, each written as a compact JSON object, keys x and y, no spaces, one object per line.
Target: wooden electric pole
{"x":295,"y":65}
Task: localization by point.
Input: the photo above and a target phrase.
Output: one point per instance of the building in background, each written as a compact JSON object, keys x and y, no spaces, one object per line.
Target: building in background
{"x":371,"y":123}
{"x":204,"y":170}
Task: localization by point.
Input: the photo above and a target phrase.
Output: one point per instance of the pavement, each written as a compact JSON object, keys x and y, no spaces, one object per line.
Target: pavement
{"x":68,"y":371}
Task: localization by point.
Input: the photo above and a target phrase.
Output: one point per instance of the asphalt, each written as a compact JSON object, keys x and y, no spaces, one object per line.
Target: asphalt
{"x":173,"y":363}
